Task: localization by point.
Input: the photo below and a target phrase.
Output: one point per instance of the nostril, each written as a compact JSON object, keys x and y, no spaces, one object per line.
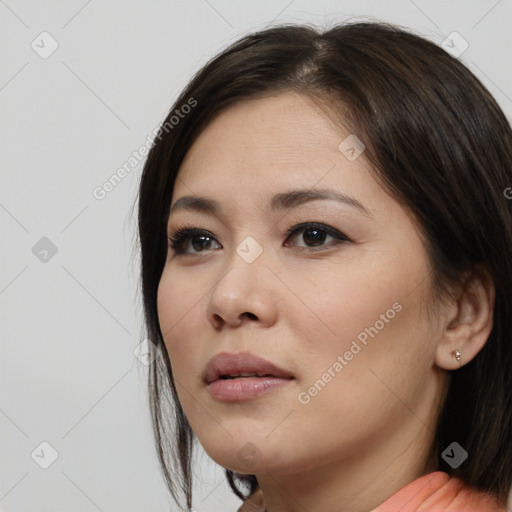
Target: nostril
{"x":218,"y":320}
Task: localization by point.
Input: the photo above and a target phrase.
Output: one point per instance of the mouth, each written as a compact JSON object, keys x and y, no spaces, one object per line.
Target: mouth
{"x":243,"y":376}
{"x":242,"y":365}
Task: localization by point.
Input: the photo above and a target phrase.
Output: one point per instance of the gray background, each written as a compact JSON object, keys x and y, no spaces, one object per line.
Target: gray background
{"x":70,"y":323}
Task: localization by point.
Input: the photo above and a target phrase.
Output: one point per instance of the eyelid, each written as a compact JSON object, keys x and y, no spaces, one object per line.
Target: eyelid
{"x":304,"y":226}
{"x":297,"y":221}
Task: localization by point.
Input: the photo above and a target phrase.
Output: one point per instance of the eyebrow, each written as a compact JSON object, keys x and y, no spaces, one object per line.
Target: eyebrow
{"x":281,"y":201}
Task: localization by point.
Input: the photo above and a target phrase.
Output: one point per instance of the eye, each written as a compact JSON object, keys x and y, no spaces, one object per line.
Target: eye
{"x":192,"y":240}
{"x":314,"y":234}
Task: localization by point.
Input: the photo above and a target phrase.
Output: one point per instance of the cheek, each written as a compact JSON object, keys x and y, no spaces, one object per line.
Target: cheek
{"x":349,"y":301}
{"x":366,"y":334}
{"x":180,"y":317}
{"x":354,"y":394}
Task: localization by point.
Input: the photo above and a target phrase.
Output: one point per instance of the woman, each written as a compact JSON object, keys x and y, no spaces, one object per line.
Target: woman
{"x":326,"y":244}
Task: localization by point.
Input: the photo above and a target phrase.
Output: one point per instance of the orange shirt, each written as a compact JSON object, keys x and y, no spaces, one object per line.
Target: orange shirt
{"x":435,"y":492}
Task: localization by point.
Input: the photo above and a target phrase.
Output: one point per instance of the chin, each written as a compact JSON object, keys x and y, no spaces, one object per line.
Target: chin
{"x":240,"y":454}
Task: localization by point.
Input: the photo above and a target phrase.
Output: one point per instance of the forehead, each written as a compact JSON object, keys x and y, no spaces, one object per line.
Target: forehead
{"x":275,"y":132}
{"x":258,"y":150}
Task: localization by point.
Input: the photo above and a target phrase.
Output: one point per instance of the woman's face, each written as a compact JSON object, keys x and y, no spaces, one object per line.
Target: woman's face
{"x":337,"y":304}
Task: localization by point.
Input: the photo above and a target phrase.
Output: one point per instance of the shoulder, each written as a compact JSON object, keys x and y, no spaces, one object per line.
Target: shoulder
{"x":437,"y":492}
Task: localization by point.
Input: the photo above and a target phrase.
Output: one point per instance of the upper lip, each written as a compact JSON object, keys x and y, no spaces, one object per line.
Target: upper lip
{"x":242,"y":362}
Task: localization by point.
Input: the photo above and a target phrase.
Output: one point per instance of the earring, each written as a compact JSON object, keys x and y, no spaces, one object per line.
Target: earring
{"x":455,"y":353}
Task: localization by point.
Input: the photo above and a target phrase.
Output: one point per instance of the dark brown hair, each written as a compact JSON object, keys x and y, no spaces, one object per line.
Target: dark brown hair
{"x":438,"y":142}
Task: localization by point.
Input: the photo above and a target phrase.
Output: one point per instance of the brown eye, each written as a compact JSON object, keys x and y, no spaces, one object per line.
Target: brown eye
{"x":191,"y":241}
{"x":314,"y":235}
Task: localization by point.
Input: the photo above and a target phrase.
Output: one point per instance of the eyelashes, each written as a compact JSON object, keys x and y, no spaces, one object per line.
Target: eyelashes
{"x":187,"y":234}
{"x":315,"y":233}
{"x":192,"y":240}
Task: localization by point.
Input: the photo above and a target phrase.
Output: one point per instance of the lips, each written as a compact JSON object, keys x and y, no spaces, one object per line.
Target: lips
{"x":241,"y":365}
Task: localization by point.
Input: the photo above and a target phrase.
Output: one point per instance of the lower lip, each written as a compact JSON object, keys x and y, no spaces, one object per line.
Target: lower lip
{"x":244,"y":388}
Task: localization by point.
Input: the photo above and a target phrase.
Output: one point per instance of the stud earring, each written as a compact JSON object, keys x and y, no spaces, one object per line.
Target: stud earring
{"x":455,"y":353}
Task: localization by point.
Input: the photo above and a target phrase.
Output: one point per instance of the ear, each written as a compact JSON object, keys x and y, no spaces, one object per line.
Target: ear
{"x":468,"y":321}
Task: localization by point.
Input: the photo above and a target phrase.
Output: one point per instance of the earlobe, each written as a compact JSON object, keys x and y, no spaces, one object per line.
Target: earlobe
{"x":468,"y":322}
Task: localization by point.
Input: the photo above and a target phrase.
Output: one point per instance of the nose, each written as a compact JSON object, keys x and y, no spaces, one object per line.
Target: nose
{"x":244,"y":294}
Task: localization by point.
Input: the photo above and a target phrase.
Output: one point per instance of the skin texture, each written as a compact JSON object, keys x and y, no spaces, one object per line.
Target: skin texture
{"x":369,"y":430}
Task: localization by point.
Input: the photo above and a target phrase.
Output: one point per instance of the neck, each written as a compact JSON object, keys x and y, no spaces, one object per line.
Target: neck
{"x":358,"y":483}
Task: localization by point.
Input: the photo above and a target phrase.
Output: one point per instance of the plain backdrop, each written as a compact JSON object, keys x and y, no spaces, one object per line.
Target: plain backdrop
{"x":82,"y":86}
